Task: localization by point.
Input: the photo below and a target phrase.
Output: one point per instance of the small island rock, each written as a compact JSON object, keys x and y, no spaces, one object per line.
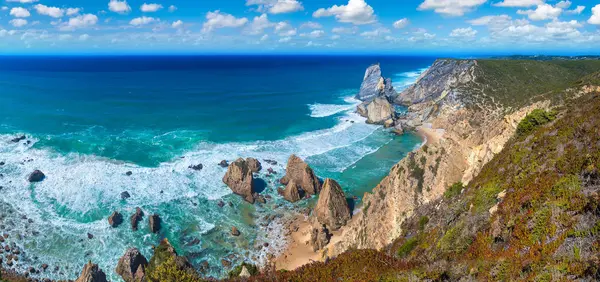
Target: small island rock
{"x":132,"y":266}
{"x":332,"y":208}
{"x":302,"y":174}
{"x":239,"y":179}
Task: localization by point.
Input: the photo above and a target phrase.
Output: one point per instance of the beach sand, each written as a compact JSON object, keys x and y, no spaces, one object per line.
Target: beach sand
{"x":433,"y":136}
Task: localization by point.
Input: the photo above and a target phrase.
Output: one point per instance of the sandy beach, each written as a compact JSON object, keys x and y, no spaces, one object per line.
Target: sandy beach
{"x":432,"y":136}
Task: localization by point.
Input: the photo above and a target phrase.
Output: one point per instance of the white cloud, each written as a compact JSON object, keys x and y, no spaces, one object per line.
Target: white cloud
{"x":563,"y":4}
{"x":264,"y":37}
{"x":22,"y":1}
{"x":344,"y":30}
{"x":542,"y":12}
{"x":142,"y":21}
{"x":259,"y":24}
{"x":285,"y":29}
{"x":450,"y":7}
{"x":402,"y":23}
{"x":463,"y":32}
{"x":72,"y":11}
{"x":375,"y":33}
{"x":84,"y":37}
{"x":421,"y":35}
{"x":311,"y":25}
{"x":356,"y":12}
{"x":314,"y":34}
{"x":276,"y":6}
{"x":519,"y":3}
{"x":19,"y":12}
{"x":335,"y":37}
{"x":285,"y":39}
{"x":177,"y":24}
{"x":120,"y":7}
{"x":65,"y":37}
{"x":172,"y":8}
{"x":150,"y":8}
{"x":49,"y":11}
{"x":80,"y":21}
{"x":216,"y":20}
{"x":578,"y":10}
{"x":595,"y":18}
{"x":18,"y":22}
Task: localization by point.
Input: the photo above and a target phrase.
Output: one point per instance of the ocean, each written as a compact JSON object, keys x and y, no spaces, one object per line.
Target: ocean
{"x":89,"y":120}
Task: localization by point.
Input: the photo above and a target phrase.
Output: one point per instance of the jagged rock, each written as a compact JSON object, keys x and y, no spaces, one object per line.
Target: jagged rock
{"x":165,"y":251}
{"x":125,"y":195}
{"x":398,"y":129}
{"x":239,"y":179}
{"x":235,"y":231}
{"x":244,"y":273}
{"x":221,"y":204}
{"x":254,"y":165}
{"x":115,"y":219}
{"x":44,"y":267}
{"x":377,"y":111}
{"x":225,"y":263}
{"x":302,"y":174}
{"x":136,"y":218}
{"x":224,"y":163}
{"x":319,"y":238}
{"x":91,"y":273}
{"x":132,"y":266}
{"x":292,"y":192}
{"x":154,"y":223}
{"x":271,"y":162}
{"x":2,"y":163}
{"x":332,"y":208}
{"x":197,"y":167}
{"x":374,"y":85}
{"x":18,"y":139}
{"x":36,"y":176}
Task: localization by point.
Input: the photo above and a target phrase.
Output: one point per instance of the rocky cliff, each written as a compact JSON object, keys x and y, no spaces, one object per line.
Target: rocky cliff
{"x":374,"y":85}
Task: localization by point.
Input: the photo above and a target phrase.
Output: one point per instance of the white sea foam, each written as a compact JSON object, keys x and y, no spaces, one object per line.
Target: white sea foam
{"x":325,"y":110}
{"x":405,"y":79}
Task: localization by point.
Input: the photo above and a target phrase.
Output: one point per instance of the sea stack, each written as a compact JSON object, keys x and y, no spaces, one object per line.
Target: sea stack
{"x":374,"y":85}
{"x":132,"y":266}
{"x":378,"y":111}
{"x":332,"y":208}
{"x":300,"y":172}
{"x":91,"y":273}
{"x":239,"y":179}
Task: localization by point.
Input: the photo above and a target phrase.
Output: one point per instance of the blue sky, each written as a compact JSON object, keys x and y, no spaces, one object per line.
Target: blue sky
{"x":300,"y":26}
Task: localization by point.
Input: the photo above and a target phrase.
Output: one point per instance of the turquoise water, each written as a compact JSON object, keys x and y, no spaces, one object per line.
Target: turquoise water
{"x":92,"y":119}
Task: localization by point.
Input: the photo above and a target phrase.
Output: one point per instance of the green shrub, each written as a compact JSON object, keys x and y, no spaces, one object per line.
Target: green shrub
{"x":169,"y":271}
{"x":485,"y":197}
{"x":422,"y":222}
{"x":536,"y":118}
{"x":454,"y":190}
{"x":407,"y":247}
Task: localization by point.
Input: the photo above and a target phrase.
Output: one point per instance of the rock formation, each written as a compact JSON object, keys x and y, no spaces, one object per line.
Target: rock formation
{"x":235,"y":232}
{"x":165,"y":251}
{"x":374,"y":85}
{"x":154,"y":223}
{"x":332,"y":208}
{"x":292,"y":192}
{"x":254,"y":165}
{"x":36,"y":176}
{"x":132,"y":266}
{"x":239,"y":179}
{"x":319,"y":238}
{"x":115,"y":219}
{"x":302,"y":174}
{"x":136,"y":218}
{"x":91,"y":273}
{"x":377,"y":111}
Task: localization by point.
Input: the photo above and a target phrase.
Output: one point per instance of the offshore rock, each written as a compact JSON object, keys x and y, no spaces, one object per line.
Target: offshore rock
{"x":91,"y":273}
{"x":254,"y":165}
{"x":377,"y":111}
{"x":374,"y":85}
{"x":292,"y":192}
{"x":239,"y":179}
{"x":132,"y":266}
{"x":115,"y":219}
{"x":154,"y":223}
{"x":332,"y":208}
{"x":36,"y":176}
{"x":136,"y":218}
{"x":300,"y":172}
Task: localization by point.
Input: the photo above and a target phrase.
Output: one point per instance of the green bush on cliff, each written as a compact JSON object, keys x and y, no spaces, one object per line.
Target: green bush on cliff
{"x":235,"y":272}
{"x":169,"y":271}
{"x":454,"y":190}
{"x":536,"y":118}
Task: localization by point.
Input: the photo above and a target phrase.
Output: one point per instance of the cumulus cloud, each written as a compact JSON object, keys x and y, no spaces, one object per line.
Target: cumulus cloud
{"x":142,"y":21}
{"x":120,"y":7}
{"x":84,"y":37}
{"x":150,"y":8}
{"x":172,"y":8}
{"x":285,"y":39}
{"x":519,"y":3}
{"x":276,"y":6}
{"x":264,"y":37}
{"x":19,"y":12}
{"x":595,"y":18}
{"x":216,"y":20}
{"x":345,"y":30}
{"x":402,"y":23}
{"x":375,"y":33}
{"x":18,"y":22}
{"x":80,"y":21}
{"x":450,"y":7}
{"x":259,"y":24}
{"x":463,"y":32}
{"x":314,"y":34}
{"x":542,"y":12}
{"x":311,"y":25}
{"x":578,"y":10}
{"x":285,"y":29}
{"x":177,"y":24}
{"x":22,"y":1}
{"x":54,"y":12}
{"x":357,"y":12}
{"x":72,"y":11}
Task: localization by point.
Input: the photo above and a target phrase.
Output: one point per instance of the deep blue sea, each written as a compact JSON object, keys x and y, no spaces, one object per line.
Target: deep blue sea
{"x":92,"y":119}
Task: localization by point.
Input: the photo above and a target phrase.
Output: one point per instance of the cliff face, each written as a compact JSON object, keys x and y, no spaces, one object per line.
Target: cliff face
{"x":374,"y":85}
{"x":462,"y":140}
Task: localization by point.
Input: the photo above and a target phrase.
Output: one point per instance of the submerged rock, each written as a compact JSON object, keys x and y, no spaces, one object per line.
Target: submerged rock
{"x":302,"y":174}
{"x":197,"y":167}
{"x":136,"y":218}
{"x":154,"y":223}
{"x":224,"y":163}
{"x":132,"y":266}
{"x":374,"y":85}
{"x":129,"y":173}
{"x":254,"y":165}
{"x":332,"y":208}
{"x":36,"y":176}
{"x":125,"y":195}
{"x":18,"y":139}
{"x":115,"y":219}
{"x":271,"y":162}
{"x":235,"y":231}
{"x":239,"y":179}
{"x":91,"y":273}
